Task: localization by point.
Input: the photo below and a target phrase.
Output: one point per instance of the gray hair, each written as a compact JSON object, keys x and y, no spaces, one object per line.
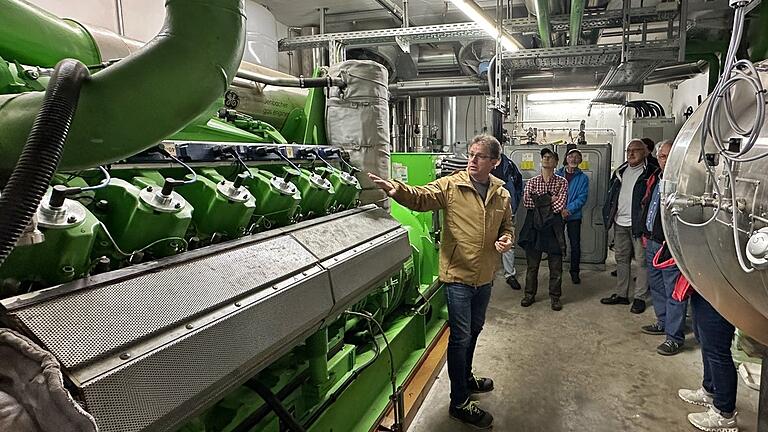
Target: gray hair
{"x":668,"y":142}
{"x":494,"y":148}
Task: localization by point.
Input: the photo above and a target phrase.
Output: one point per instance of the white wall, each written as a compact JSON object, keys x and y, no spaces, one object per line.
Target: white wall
{"x":143,"y":19}
{"x":604,"y":123}
{"x":94,"y":12}
{"x":471,"y":117}
{"x":687,"y":94}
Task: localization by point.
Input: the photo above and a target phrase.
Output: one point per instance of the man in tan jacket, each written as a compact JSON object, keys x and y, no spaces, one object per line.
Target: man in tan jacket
{"x":477,"y":228}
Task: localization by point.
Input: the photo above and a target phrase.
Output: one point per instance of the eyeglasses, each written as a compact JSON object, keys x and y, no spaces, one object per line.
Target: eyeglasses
{"x":478,"y":156}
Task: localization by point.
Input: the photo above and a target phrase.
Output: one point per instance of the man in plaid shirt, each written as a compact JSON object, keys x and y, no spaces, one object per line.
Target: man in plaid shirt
{"x":543,"y":233}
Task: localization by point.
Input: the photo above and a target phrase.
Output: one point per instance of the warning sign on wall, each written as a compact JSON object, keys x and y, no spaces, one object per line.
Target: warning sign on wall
{"x":527,"y":162}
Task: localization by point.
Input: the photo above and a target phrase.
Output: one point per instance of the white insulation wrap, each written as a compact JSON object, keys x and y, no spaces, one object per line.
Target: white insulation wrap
{"x":357,"y":120}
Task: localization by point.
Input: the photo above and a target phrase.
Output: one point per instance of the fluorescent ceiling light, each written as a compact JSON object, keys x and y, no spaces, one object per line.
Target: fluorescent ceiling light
{"x":562,"y":96}
{"x":476,"y":14}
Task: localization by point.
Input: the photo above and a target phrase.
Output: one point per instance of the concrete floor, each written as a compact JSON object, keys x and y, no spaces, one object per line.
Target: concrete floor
{"x":586,"y":368}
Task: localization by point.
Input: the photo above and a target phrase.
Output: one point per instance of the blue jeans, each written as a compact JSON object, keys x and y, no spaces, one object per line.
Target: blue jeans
{"x":574,"y":239}
{"x":715,"y":335}
{"x":466,"y":316}
{"x":670,"y":313}
{"x":508,"y":260}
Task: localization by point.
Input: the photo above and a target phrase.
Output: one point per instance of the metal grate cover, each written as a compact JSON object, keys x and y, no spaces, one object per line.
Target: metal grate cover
{"x":149,"y":346}
{"x":167,"y":385}
{"x":379,"y":258}
{"x":339,"y":235}
{"x":589,"y":55}
{"x":80,"y":327}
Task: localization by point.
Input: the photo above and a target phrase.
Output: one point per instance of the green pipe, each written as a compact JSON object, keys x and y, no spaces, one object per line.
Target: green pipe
{"x":46,"y":38}
{"x":577,"y":13}
{"x":145,"y":97}
{"x":542,"y":18}
{"x":317,"y":354}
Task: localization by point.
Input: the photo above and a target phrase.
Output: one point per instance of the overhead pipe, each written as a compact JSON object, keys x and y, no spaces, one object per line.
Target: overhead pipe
{"x":137,"y":102}
{"x":452,"y":86}
{"x":542,"y":19}
{"x":281,"y":81}
{"x":120,"y":17}
{"x":577,"y":13}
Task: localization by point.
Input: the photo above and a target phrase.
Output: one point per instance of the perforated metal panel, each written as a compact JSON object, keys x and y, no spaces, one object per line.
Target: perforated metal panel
{"x":164,"y":386}
{"x":93,"y":322}
{"x":355,"y":272}
{"x":148,"y":347}
{"x":342,"y":234}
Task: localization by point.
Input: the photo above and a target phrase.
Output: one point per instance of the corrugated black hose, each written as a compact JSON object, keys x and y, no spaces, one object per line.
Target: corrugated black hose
{"x":42,"y":152}
{"x":277,"y":406}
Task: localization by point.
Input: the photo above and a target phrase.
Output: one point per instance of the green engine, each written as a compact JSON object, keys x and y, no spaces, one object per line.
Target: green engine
{"x":226,"y":279}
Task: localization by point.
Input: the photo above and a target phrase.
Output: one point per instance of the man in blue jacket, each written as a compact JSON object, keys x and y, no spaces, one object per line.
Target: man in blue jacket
{"x":578,"y":192}
{"x":507,"y":172}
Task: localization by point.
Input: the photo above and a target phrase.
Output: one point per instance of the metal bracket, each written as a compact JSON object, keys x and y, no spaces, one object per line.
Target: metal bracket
{"x":403,"y":43}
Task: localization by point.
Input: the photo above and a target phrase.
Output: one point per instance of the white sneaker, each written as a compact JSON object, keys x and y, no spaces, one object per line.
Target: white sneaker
{"x":713,"y":421}
{"x":696,"y":397}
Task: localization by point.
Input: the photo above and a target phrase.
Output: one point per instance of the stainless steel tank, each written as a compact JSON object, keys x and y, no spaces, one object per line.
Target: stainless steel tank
{"x":707,"y":255}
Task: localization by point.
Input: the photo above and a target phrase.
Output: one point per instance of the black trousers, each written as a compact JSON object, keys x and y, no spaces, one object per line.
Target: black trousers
{"x":532,"y":274}
{"x":574,"y":238}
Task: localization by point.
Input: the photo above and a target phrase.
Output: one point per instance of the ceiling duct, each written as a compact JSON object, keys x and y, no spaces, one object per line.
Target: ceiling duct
{"x":437,"y":59}
{"x":426,"y":59}
{"x":400,"y":65}
{"x":557,"y":79}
